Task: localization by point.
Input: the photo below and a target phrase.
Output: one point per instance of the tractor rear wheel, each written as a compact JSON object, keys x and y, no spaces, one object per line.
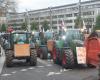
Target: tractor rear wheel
{"x":44,"y":52}
{"x":9,"y":58}
{"x":68,"y":58}
{"x":33,"y":57}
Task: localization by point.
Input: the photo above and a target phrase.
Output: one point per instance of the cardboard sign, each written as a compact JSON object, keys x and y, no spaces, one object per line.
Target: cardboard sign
{"x":81,"y":55}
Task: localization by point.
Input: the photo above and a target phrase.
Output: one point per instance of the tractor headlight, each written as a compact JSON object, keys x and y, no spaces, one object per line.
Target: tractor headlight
{"x":63,"y":37}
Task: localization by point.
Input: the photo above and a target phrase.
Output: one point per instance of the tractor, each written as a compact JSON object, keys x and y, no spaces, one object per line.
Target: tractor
{"x":41,"y":40}
{"x":64,"y":48}
{"x":20,"y":46}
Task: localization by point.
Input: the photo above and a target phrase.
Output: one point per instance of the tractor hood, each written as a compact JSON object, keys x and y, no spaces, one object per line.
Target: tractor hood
{"x":78,"y":43}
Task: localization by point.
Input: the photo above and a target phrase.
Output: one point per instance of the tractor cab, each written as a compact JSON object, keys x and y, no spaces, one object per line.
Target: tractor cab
{"x":21,"y":38}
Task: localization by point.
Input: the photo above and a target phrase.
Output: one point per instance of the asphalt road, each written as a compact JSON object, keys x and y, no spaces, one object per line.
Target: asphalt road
{"x":46,"y":70}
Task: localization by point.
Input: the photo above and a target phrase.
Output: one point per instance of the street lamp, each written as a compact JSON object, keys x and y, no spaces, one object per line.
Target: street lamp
{"x":79,"y":8}
{"x":28,"y":21}
{"x":50,"y":17}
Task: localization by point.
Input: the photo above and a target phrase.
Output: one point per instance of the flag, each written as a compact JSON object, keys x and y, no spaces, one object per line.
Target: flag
{"x":62,"y":24}
{"x":84,"y":27}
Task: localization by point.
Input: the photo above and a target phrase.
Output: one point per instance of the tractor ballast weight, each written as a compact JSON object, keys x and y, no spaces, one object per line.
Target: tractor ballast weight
{"x":19,"y":46}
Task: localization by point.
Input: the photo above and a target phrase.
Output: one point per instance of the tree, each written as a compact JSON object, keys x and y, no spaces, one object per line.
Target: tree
{"x":34,"y":26}
{"x":24,"y":26}
{"x":3,"y":27}
{"x":45,"y":25}
{"x":97,"y":26}
{"x":78,"y":22}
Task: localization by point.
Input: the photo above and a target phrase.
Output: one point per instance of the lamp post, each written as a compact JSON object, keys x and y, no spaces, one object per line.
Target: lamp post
{"x":50,"y":18}
{"x":80,"y":18}
{"x":28,"y":21}
{"x":79,"y":8}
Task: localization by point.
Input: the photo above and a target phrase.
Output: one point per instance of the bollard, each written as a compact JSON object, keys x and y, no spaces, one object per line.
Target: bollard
{"x":99,"y":67}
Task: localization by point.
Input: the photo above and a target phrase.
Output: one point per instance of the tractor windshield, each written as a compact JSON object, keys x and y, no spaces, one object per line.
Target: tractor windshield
{"x":74,"y":34}
{"x":20,"y":38}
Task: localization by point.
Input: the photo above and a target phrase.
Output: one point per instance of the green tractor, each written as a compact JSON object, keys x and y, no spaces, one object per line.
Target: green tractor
{"x":64,"y":49}
{"x":20,"y":46}
{"x":41,"y":40}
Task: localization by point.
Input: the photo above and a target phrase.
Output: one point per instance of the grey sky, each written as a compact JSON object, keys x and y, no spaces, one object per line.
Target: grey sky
{"x":39,"y":4}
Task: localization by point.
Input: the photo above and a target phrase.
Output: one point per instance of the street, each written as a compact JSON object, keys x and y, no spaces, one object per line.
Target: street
{"x":46,"y":70}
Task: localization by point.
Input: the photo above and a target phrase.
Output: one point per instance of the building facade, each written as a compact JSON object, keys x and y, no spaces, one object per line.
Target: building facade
{"x":65,"y":13}
{"x":2,"y":16}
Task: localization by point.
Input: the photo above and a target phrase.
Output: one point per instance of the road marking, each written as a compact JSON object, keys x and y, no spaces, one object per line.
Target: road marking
{"x":64,"y":70}
{"x":2,"y":60}
{"x":40,"y":66}
{"x":41,"y":61}
{"x":50,"y":73}
{"x":53,"y":73}
{"x":5,"y":75}
{"x":57,"y":73}
{"x":23,"y":70}
{"x":14,"y":72}
{"x":49,"y":65}
{"x":31,"y":68}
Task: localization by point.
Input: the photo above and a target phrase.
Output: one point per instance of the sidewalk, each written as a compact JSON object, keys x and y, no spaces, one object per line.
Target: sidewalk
{"x":2,"y":60}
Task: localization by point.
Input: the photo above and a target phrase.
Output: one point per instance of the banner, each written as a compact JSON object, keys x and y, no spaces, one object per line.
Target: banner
{"x":81,"y":55}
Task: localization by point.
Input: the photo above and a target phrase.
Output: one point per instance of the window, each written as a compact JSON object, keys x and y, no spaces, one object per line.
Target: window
{"x":89,"y":20}
{"x":20,"y":38}
{"x":75,"y":14}
{"x":88,"y":13}
{"x":41,"y":17}
{"x":36,"y":18}
{"x":68,"y":21}
{"x":68,"y":15}
{"x":69,"y":26}
{"x":54,"y":16}
{"x":31,"y":18}
{"x":60,"y":16}
{"x":54,"y":22}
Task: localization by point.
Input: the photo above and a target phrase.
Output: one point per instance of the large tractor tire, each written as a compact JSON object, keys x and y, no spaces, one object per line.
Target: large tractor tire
{"x":68,"y":58}
{"x":33,"y":58}
{"x":9,"y":58}
{"x":44,"y":52}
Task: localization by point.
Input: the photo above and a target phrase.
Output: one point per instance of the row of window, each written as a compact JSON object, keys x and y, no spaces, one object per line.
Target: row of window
{"x":62,"y":16}
{"x":60,"y":21}
{"x":55,"y":27}
{"x":64,"y":10}
{"x":19,"y":20}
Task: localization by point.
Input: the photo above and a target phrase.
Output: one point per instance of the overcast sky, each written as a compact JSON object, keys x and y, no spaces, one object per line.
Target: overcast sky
{"x":39,"y":4}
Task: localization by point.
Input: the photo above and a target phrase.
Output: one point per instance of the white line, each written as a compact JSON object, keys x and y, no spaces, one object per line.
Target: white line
{"x":13,"y":72}
{"x":40,"y":66}
{"x":2,"y":60}
{"x":31,"y":68}
{"x":23,"y":70}
{"x":5,"y":75}
{"x":41,"y":61}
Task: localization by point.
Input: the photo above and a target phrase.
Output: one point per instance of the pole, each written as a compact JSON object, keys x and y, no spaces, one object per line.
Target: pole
{"x":79,"y":8}
{"x":28,"y":21}
{"x":50,"y":18}
{"x":80,"y":26}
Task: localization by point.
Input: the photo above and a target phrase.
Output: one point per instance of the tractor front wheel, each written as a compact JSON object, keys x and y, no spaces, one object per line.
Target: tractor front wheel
{"x":68,"y":58}
{"x":9,"y":58}
{"x":33,"y":57}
